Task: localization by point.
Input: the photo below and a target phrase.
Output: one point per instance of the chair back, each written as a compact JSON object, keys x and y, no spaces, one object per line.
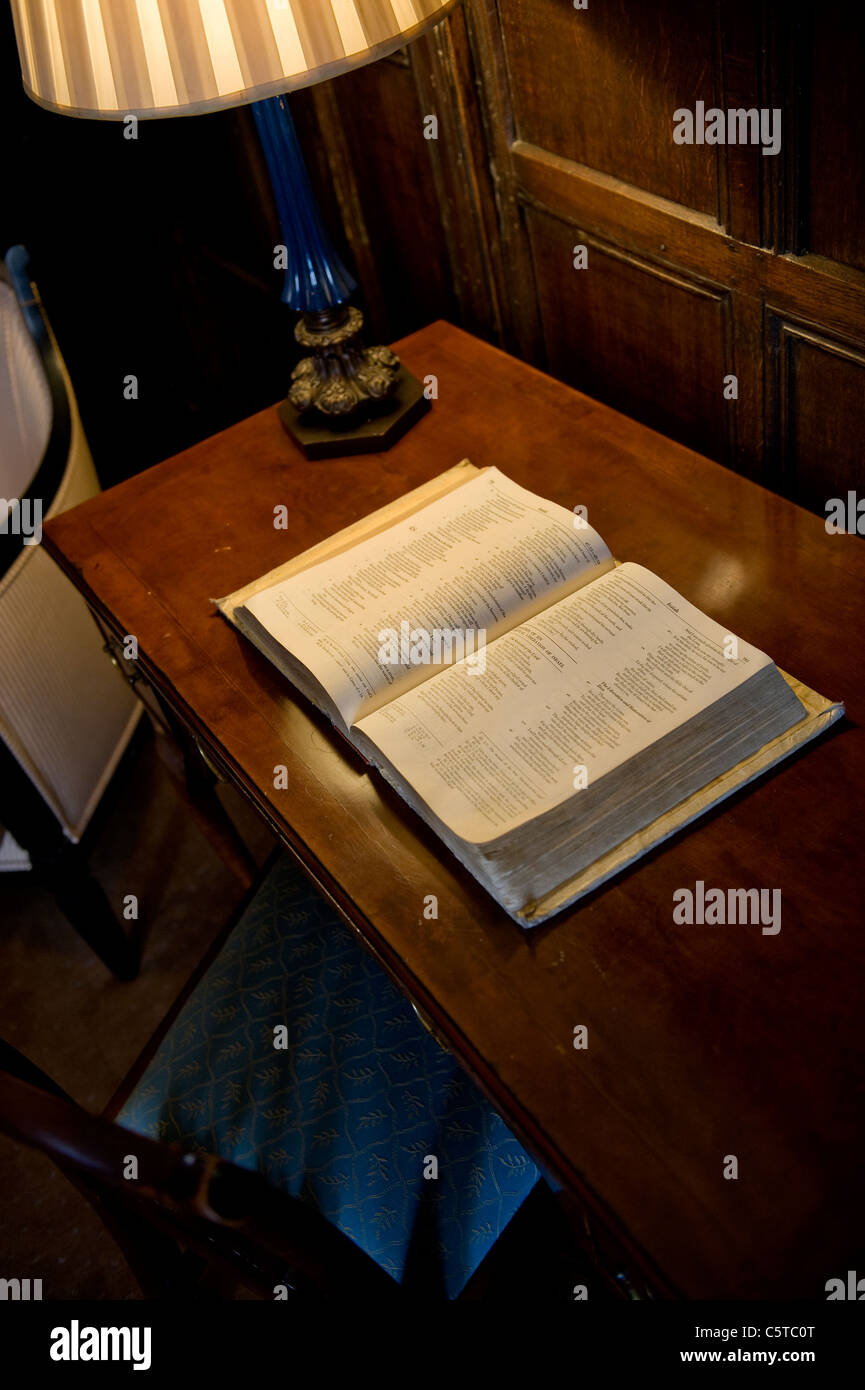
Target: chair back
{"x":156,"y":1199}
{"x":65,"y":713}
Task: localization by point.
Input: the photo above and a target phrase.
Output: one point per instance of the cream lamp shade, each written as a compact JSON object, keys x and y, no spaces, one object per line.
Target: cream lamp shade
{"x":113,"y":58}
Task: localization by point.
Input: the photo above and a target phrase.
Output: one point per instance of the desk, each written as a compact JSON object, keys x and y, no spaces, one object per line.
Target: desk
{"x":703,"y":1042}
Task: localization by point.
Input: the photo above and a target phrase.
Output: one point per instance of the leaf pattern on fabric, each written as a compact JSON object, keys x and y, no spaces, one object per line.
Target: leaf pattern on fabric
{"x":345,"y":1115}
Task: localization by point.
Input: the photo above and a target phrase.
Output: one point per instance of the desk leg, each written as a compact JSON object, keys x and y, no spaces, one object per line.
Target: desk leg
{"x":62,"y":867}
{"x":196,"y":782}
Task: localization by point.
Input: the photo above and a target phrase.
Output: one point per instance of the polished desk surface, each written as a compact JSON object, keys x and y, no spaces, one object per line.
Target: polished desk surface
{"x":703,"y":1041}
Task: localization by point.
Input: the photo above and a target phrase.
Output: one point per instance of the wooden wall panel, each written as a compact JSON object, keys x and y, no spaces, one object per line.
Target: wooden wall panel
{"x":664,"y":361}
{"x":819,"y":400}
{"x":834,"y":196}
{"x":599,"y":86}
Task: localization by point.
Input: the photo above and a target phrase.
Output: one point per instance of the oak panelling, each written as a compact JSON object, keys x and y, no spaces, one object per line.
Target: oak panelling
{"x":443,"y":68}
{"x":599,"y":86}
{"x":663,"y":361}
{"x":747,"y":178}
{"x":685,"y":243}
{"x":785,"y":65}
{"x":806,"y":288}
{"x":824,"y":291}
{"x":818,"y":396}
{"x":835,"y":193}
{"x":521,"y":328}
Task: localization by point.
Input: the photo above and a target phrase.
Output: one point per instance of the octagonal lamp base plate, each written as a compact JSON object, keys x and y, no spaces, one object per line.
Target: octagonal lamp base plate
{"x":372,"y":433}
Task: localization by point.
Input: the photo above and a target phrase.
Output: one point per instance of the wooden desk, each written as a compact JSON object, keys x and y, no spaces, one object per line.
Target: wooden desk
{"x":703,"y":1041}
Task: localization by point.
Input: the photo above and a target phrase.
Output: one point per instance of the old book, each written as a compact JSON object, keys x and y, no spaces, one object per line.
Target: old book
{"x":550,"y":712}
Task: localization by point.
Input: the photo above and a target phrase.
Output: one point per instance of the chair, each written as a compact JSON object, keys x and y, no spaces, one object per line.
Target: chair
{"x":66,"y":716}
{"x":298,"y":1058}
{"x":182,"y":1213}
{"x":295,"y":1059}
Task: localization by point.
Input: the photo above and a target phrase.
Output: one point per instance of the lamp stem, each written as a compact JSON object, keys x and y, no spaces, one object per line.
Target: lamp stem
{"x":345,"y":397}
{"x":316,"y":281}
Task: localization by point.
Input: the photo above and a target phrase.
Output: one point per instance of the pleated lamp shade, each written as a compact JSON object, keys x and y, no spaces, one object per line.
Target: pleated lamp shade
{"x":113,"y":58}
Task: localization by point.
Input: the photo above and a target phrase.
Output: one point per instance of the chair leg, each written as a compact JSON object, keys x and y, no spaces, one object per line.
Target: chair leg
{"x":84,"y":904}
{"x":63,"y":868}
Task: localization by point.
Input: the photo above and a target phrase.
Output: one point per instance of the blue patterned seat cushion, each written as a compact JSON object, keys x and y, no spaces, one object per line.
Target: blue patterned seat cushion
{"x":347,"y":1113}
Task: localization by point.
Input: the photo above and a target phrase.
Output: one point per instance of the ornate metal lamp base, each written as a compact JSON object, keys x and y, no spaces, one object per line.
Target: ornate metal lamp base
{"x":375,"y":432}
{"x":347,"y":398}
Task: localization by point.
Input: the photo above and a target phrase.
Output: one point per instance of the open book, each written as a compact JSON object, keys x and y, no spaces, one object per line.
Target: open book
{"x":551,"y":713}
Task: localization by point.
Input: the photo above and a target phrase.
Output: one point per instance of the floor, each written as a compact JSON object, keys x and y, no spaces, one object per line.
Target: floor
{"x":62,"y":1009}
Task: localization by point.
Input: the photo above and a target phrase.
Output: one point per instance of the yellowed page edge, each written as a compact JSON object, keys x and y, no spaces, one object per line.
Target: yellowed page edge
{"x":821,"y":713}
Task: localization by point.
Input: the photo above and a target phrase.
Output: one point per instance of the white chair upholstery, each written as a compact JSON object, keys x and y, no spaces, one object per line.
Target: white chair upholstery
{"x":65,"y":711}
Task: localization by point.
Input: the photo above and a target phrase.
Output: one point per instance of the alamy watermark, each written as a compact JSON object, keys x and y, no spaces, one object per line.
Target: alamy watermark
{"x":738,"y":126}
{"x":20,"y":1290}
{"x":21,"y":516}
{"x":420,"y":646}
{"x":77,"y":1343}
{"x":738,"y":906}
{"x":852,"y":1289}
{"x":845,"y":516}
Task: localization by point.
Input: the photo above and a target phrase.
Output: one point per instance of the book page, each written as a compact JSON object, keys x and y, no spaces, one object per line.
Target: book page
{"x":382,"y":617}
{"x":588,"y":683}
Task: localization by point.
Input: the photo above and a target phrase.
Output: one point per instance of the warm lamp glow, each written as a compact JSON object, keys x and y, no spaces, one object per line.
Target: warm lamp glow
{"x":112,"y":58}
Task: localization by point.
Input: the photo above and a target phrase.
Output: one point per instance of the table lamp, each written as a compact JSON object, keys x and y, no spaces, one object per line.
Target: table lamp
{"x":116,"y":59}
